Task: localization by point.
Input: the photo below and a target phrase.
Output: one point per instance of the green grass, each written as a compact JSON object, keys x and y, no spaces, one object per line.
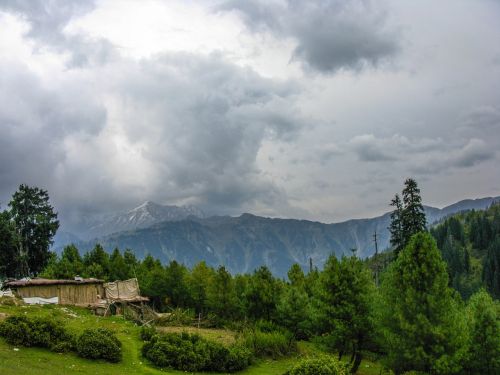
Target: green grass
{"x":36,"y":361}
{"x":224,"y":336}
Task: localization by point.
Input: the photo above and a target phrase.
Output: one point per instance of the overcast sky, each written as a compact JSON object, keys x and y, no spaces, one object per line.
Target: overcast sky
{"x":305,"y":109}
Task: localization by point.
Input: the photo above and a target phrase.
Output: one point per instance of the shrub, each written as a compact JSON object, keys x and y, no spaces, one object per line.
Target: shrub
{"x":147,"y":332}
{"x":323,"y":365}
{"x":36,"y":331}
{"x":239,"y":358}
{"x":16,"y":330}
{"x":99,"y":343}
{"x":187,"y":352}
{"x":267,"y":326}
{"x":270,"y":344}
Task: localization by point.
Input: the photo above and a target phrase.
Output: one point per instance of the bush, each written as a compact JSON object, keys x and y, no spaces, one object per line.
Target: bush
{"x":267,"y":326}
{"x":99,"y":343}
{"x":323,"y":365}
{"x":270,"y":344}
{"x":239,"y":358}
{"x":147,"y":332}
{"x":187,"y":352}
{"x":16,"y":330}
{"x":37,"y":331}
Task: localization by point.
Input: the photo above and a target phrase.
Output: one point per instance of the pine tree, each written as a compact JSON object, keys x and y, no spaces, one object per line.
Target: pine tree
{"x":261,"y":294}
{"x":9,"y":257}
{"x":36,"y":224}
{"x":221,"y":295}
{"x":408,"y":217}
{"x":413,"y":218}
{"x":199,"y":281}
{"x":345,"y":296}
{"x":422,"y":327}
{"x":484,"y":332}
{"x":396,"y":227}
{"x":491,"y":268}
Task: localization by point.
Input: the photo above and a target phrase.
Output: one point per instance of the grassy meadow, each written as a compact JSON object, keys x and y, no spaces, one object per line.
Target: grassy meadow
{"x":37,"y":361}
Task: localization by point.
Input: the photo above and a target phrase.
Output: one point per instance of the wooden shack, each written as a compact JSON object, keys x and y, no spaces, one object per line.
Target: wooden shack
{"x":81,"y":292}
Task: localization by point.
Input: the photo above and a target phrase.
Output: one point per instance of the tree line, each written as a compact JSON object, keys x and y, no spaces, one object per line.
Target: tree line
{"x":414,"y":320}
{"x":470,"y":245}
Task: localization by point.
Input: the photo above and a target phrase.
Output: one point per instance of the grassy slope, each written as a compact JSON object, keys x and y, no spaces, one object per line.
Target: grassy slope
{"x":36,"y":361}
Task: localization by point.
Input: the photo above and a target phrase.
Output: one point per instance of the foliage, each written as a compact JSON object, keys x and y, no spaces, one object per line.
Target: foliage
{"x":413,"y":216}
{"x":200,"y":278}
{"x":295,"y":312}
{"x":321,"y":365}
{"x":26,"y":232}
{"x":99,"y":343}
{"x":9,"y":257}
{"x":191,"y":352}
{"x":345,"y":313}
{"x":35,"y":331}
{"x":484,"y":335}
{"x":274,"y":344}
{"x":421,"y":325}
{"x":261,"y":294}
{"x":396,"y":226}
{"x":491,"y":267}
{"x":147,"y":332}
{"x":222,"y":296}
{"x":408,"y":217}
{"x":470,"y":246}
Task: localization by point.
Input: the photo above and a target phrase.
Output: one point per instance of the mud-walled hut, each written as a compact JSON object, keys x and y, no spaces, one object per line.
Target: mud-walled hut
{"x":79,"y":292}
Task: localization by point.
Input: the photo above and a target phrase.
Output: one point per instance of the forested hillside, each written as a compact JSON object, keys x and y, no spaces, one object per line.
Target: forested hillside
{"x":470,"y":245}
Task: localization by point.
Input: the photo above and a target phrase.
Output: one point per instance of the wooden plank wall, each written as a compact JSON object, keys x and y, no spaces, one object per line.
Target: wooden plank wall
{"x":70,"y":294}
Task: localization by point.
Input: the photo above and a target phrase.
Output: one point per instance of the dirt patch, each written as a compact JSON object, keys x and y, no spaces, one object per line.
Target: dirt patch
{"x":3,"y":316}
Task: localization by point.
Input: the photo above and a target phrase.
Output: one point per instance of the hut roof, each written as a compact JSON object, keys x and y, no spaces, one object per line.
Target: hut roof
{"x":40,"y":281}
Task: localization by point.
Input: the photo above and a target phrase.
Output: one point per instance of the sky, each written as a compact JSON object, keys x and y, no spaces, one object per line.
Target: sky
{"x":316,"y":110}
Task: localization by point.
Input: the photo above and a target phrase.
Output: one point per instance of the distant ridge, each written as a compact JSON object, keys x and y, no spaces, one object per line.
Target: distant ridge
{"x":246,"y":242}
{"x":143,"y":216}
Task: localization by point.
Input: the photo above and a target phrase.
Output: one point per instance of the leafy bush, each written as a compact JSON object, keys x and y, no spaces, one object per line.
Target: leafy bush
{"x":99,"y":343}
{"x":36,"y":331}
{"x":270,"y":344}
{"x":16,"y":330}
{"x":239,"y":358}
{"x":147,"y":332}
{"x":267,"y":326}
{"x":323,"y":365}
{"x":187,"y":352}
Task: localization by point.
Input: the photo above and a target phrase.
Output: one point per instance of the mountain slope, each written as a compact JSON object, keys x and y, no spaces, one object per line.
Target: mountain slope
{"x":143,"y":216}
{"x":246,"y":242}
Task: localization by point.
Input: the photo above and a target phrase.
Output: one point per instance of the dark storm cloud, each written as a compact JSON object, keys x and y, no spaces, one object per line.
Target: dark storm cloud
{"x":483,"y":118}
{"x":330,"y":34}
{"x":368,"y":148}
{"x":474,"y":152}
{"x":34,"y":123}
{"x":47,"y":20}
{"x":457,"y":156}
{"x":204,"y":121}
{"x":426,"y":156}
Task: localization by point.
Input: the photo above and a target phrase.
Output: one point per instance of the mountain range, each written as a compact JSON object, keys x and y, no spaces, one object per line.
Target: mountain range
{"x":246,"y":242}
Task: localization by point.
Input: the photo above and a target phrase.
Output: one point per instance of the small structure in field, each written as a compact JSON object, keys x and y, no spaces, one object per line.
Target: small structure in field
{"x":78,"y":292}
{"x":125,"y":298}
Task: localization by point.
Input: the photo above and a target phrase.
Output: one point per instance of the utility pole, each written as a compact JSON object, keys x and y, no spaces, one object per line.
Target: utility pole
{"x":376,"y":257}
